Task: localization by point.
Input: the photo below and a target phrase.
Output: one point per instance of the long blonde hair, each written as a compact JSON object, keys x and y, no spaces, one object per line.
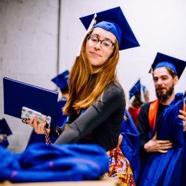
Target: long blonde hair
{"x":87,"y":84}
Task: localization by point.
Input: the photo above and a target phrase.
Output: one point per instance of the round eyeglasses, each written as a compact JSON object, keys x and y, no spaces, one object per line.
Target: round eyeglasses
{"x":105,"y":43}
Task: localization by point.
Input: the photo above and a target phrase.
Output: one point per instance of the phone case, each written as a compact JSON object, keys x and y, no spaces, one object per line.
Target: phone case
{"x":28,"y":113}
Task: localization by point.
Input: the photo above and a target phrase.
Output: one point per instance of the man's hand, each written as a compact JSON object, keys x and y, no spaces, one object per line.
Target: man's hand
{"x":155,"y":145}
{"x":182,"y":116}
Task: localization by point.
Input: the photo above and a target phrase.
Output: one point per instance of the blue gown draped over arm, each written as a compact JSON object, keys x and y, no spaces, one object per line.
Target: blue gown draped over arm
{"x":166,"y":169}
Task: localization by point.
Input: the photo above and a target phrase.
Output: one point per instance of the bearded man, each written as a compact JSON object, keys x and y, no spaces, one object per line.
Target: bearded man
{"x":162,"y":126}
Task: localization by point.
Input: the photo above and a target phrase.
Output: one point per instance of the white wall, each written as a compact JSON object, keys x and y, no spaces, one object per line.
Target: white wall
{"x":28,"y":50}
{"x":159,"y":26}
{"x":28,"y":42}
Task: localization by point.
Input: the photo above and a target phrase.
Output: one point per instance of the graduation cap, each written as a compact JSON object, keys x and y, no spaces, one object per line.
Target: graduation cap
{"x":135,"y":90}
{"x":18,"y":94}
{"x":114,"y":21}
{"x":4,"y":128}
{"x":174,"y":64}
{"x":61,"y":80}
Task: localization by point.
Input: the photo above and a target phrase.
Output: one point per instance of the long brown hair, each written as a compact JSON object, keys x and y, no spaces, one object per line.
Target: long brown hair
{"x":87,"y":84}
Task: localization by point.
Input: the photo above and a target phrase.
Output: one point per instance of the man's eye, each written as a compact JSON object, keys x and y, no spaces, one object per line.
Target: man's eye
{"x":155,"y":79}
{"x":164,"y":78}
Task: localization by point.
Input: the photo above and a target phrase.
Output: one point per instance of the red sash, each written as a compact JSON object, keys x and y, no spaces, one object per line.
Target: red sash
{"x":153,"y":110}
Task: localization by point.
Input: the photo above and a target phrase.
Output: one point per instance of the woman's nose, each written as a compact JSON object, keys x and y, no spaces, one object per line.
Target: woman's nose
{"x":98,"y":45}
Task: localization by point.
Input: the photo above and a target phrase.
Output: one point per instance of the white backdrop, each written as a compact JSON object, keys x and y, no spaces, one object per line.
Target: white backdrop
{"x":29,"y":37}
{"x":159,"y":26}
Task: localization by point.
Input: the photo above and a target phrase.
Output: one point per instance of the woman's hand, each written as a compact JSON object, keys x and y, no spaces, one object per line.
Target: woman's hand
{"x":39,"y":127}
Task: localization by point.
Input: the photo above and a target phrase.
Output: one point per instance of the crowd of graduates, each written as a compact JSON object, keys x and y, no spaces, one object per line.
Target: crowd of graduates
{"x":143,"y":144}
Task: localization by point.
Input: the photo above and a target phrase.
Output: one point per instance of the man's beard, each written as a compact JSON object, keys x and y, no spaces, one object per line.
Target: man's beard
{"x":164,"y":96}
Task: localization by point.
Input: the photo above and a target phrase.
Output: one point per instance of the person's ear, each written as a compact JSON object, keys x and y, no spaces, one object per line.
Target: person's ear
{"x":175,"y":80}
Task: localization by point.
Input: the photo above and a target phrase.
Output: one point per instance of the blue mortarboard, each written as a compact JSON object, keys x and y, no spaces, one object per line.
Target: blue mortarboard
{"x":61,"y":80}
{"x":176,"y":65}
{"x":18,"y":94}
{"x":113,"y":20}
{"x":135,"y":90}
{"x":4,"y":128}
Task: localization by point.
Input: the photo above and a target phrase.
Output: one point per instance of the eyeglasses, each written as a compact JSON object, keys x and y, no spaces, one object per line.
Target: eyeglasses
{"x":105,"y":43}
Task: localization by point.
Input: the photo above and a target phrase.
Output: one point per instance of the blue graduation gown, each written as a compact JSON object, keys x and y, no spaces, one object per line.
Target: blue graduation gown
{"x":4,"y":143}
{"x":41,"y":163}
{"x":167,"y":169}
{"x":130,"y":143}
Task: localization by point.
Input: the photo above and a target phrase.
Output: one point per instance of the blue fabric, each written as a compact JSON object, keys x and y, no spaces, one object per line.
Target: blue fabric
{"x":4,"y":130}
{"x":36,"y":138}
{"x":175,"y":64}
{"x":4,"y":127}
{"x":183,"y":179}
{"x":60,"y":117}
{"x":135,"y":90}
{"x":4,"y":143}
{"x":18,"y":94}
{"x":61,"y":80}
{"x":167,"y":169}
{"x":113,"y":20}
{"x":168,"y":65}
{"x":130,"y":144}
{"x":111,"y":27}
{"x":42,"y":162}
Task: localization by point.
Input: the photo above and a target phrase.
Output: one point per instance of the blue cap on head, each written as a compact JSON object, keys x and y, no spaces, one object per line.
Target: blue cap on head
{"x":135,"y":90}
{"x":168,"y":65}
{"x":114,"y":21}
{"x":172,"y":63}
{"x":61,"y":80}
{"x":4,"y":128}
{"x":111,"y":27}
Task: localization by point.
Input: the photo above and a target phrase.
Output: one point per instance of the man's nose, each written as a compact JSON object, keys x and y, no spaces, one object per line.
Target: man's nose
{"x":159,"y":82}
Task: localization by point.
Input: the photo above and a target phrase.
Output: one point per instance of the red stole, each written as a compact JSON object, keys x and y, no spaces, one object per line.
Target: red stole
{"x":153,"y":110}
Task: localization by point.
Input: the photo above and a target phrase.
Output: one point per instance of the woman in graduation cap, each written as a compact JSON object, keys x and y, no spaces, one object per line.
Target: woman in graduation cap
{"x":96,"y":99}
